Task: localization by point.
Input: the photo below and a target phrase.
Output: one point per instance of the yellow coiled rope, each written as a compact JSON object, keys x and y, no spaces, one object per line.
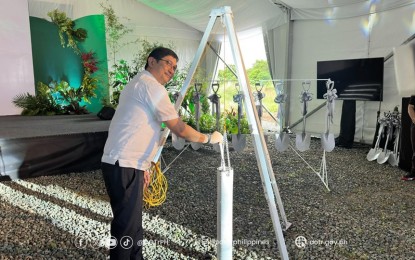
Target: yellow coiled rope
{"x":156,"y":192}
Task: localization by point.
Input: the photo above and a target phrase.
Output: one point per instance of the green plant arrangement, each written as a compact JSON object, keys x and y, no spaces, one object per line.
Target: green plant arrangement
{"x":41,"y":104}
{"x":60,"y":98}
{"x":66,"y":28}
{"x":71,"y":97}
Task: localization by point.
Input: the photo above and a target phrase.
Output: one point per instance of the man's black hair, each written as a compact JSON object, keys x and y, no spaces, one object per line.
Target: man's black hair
{"x":161,"y":52}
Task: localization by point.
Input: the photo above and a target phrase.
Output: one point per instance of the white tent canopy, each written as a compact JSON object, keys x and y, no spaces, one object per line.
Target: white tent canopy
{"x":297,"y":34}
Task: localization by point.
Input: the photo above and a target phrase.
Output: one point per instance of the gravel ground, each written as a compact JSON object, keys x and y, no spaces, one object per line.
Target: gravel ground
{"x":368,"y":214}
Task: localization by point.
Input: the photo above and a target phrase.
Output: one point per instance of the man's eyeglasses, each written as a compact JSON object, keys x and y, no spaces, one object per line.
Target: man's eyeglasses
{"x":173,"y":67}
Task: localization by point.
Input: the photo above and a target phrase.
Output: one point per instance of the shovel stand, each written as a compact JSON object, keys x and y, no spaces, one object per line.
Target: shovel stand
{"x":322,"y":173}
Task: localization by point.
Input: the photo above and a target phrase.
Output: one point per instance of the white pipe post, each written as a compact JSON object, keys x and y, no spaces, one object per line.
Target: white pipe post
{"x":225,"y":213}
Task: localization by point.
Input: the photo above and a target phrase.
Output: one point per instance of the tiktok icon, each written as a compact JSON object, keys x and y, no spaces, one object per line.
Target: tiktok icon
{"x":126,"y":242}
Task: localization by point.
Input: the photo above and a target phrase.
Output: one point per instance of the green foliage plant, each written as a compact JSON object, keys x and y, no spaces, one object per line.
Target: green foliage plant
{"x":207,"y":123}
{"x":66,"y":28}
{"x":122,"y":72}
{"x":259,"y":72}
{"x":189,"y":119}
{"x":115,"y":31}
{"x":61,"y":98}
{"x":119,"y":77}
{"x":231,"y":122}
{"x":41,"y":104}
{"x":140,"y":58}
{"x":71,"y":97}
{"x":226,"y":74}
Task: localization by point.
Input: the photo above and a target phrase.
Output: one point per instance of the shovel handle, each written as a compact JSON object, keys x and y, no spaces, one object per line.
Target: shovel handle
{"x":380,"y":130}
{"x":239,"y":116}
{"x":198,"y":87}
{"x":304,"y":120}
{"x":217,"y":115}
{"x":215,"y":87}
{"x":197,"y":115}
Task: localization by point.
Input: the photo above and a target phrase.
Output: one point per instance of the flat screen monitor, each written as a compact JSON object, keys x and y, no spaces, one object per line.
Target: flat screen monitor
{"x":354,"y":79}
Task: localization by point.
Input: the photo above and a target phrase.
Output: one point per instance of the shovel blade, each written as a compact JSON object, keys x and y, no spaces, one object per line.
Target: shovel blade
{"x":195,"y":146}
{"x":393,"y":159}
{"x":383,"y":156}
{"x":327,"y":142}
{"x":178,"y":143}
{"x":373,"y":154}
{"x":282,"y":141}
{"x":216,"y":147}
{"x":238,"y":142}
{"x":302,"y":142}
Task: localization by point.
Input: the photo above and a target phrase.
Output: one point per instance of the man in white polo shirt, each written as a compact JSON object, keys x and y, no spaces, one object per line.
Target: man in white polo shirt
{"x":133,"y":140}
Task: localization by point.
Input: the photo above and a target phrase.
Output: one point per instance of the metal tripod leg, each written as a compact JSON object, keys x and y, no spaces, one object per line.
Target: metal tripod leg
{"x":261,"y":151}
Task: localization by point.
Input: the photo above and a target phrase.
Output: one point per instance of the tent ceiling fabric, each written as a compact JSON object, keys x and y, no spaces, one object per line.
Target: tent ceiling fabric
{"x":339,"y":9}
{"x":299,"y":4}
{"x":248,"y":14}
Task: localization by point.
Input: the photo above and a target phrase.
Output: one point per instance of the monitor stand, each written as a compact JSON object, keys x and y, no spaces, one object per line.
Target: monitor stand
{"x":347,"y":124}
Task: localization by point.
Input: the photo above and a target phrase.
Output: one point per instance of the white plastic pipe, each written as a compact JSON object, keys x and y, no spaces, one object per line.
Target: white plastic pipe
{"x":225,"y":213}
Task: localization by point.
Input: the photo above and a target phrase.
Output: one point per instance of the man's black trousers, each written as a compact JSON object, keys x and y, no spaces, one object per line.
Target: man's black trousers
{"x":125,"y":189}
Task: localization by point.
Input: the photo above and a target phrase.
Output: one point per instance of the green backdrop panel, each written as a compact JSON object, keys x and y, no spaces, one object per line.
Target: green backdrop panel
{"x":52,"y":61}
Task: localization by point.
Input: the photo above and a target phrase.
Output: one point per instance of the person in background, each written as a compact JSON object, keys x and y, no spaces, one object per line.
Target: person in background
{"x":133,"y":140}
{"x":411,"y":111}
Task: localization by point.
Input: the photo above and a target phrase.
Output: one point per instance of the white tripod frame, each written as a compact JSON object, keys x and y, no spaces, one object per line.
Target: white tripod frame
{"x":261,"y":151}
